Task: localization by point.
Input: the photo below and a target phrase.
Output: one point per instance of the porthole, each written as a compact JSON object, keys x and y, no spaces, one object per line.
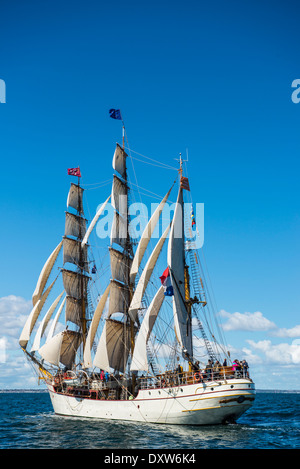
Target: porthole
{"x":149,"y":392}
{"x":211,"y":389}
{"x":232,"y":386}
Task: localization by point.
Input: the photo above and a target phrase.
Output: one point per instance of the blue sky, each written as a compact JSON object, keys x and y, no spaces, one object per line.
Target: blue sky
{"x":215,"y":79}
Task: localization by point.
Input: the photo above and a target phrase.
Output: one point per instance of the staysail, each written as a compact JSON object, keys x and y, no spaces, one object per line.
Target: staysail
{"x":145,"y":277}
{"x":139,"y":358}
{"x":87,"y":358}
{"x":61,"y":348}
{"x":55,"y":321}
{"x":45,"y":273}
{"x":44,"y":323}
{"x":145,"y":238}
{"x":33,"y":316}
{"x":93,"y":222}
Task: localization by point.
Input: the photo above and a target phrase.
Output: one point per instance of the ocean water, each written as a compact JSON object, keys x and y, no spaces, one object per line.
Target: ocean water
{"x":27,"y":421}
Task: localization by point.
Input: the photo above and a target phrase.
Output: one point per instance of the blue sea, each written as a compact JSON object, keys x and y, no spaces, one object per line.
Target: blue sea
{"x":27,"y":421}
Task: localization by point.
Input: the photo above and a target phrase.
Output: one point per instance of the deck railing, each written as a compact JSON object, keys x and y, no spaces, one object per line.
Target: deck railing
{"x":170,"y":379}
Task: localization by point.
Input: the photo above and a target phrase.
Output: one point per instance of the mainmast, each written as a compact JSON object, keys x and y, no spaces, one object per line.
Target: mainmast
{"x":129,"y":253}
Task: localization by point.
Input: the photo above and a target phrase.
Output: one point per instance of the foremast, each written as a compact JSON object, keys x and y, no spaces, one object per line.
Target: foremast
{"x":75,"y":252}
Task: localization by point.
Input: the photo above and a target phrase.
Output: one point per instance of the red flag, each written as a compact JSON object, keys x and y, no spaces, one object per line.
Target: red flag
{"x":164,"y":275}
{"x":74,"y":172}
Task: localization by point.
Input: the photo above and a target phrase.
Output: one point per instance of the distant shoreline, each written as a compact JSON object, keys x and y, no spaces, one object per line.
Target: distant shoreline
{"x":285,"y":391}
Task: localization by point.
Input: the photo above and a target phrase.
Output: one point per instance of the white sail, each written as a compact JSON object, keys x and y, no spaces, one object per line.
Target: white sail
{"x":119,"y":196}
{"x":93,"y":222}
{"x":119,"y":264}
{"x":139,"y":359}
{"x":61,"y":348}
{"x":44,"y":275}
{"x":72,"y":283}
{"x":75,"y":197}
{"x":74,"y":254}
{"x":73,"y":310}
{"x":75,"y":225}
{"x":54,"y":322}
{"x":176,"y":263}
{"x":145,"y":277}
{"x":118,"y":298}
{"x":44,"y":323}
{"x":87,"y":358}
{"x":145,"y":238}
{"x":111,"y":351}
{"x":50,"y":351}
{"x":32,"y":318}
{"x":119,"y":202}
{"x":119,"y":230}
{"x":119,"y":160}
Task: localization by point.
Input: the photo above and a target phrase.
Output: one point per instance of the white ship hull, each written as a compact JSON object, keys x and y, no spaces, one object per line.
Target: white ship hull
{"x":194,"y":404}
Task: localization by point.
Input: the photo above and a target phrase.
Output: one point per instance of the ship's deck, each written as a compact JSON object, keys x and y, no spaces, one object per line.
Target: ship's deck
{"x":119,"y":388}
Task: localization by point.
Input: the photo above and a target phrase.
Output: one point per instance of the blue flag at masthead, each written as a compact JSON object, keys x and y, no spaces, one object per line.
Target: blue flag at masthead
{"x":115,"y":114}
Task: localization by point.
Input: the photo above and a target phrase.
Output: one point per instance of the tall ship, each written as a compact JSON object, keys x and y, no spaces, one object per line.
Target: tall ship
{"x":123,"y":329}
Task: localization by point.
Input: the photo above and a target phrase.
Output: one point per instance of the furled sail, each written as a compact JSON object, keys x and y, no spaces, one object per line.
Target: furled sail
{"x":72,"y":283}
{"x":32,"y":318}
{"x":61,"y":348}
{"x":44,"y":323}
{"x":75,"y":198}
{"x":176,"y":263}
{"x":145,"y":277}
{"x":145,"y":238}
{"x":139,"y":358}
{"x":75,"y":225}
{"x":93,"y":222}
{"x":44,"y":275}
{"x":87,"y":358}
{"x":119,"y":160}
{"x":112,"y":351}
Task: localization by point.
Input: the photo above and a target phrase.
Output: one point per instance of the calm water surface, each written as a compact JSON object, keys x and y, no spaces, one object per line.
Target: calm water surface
{"x":27,"y":421}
